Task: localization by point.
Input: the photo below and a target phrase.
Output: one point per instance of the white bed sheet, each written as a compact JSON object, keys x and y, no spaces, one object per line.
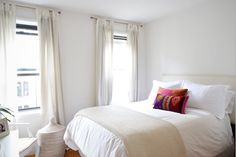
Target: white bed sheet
{"x":203,"y":134}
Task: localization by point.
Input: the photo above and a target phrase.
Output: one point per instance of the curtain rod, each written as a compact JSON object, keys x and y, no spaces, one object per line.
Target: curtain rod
{"x":116,"y":21}
{"x":23,"y":5}
{"x":34,"y":8}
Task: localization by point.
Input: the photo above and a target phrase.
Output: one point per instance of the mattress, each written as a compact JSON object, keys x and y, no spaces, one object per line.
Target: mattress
{"x":203,"y":134}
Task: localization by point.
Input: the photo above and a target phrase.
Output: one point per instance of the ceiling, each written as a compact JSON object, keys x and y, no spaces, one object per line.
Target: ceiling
{"x":133,"y":10}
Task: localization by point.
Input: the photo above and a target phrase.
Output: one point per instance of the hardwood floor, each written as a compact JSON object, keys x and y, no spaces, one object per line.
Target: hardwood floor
{"x":71,"y":153}
{"x":68,"y":153}
{"x":30,"y":155}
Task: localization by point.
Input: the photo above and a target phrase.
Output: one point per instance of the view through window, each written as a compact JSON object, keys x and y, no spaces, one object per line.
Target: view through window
{"x":27,"y":50}
{"x":121,"y":66}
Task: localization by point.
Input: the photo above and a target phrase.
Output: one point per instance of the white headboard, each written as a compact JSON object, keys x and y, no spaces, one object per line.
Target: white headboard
{"x":205,"y":79}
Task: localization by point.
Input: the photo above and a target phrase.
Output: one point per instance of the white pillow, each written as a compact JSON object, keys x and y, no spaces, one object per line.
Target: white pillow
{"x":230,"y":101}
{"x":211,"y":98}
{"x":156,"y":84}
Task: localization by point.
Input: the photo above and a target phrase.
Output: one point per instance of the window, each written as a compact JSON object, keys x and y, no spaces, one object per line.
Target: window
{"x":27,"y":66}
{"x":121,"y":67}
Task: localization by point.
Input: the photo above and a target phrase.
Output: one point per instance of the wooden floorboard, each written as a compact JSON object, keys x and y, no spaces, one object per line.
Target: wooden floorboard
{"x":71,"y":153}
{"x":68,"y":153}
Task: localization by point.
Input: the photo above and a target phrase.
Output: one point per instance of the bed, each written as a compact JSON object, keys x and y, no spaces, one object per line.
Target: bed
{"x":201,"y":133}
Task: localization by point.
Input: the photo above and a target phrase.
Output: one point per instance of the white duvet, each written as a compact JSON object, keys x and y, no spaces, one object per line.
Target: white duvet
{"x":203,"y":134}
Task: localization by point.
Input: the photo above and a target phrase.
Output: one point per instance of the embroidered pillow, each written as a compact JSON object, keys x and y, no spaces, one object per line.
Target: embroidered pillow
{"x":171,"y":103}
{"x":172,"y":92}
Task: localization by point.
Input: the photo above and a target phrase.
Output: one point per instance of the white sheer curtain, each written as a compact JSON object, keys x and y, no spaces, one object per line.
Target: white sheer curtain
{"x":132,"y":40}
{"x":51,"y":90}
{"x":7,"y":59}
{"x":104,"y":45}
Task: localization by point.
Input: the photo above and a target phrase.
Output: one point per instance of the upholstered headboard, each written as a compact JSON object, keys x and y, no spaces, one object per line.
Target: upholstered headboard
{"x":206,"y":79}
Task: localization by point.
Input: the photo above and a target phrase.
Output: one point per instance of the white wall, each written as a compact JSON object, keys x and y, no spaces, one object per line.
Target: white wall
{"x":77,"y":45}
{"x":198,"y":40}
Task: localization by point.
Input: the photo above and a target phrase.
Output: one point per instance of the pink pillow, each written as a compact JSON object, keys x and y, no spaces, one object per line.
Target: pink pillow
{"x":172,"y":92}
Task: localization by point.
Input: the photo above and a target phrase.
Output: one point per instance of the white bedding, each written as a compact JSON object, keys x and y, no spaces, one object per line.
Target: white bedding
{"x":202,"y":133}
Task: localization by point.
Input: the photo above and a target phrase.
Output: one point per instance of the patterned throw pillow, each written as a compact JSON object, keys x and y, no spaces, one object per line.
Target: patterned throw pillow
{"x":172,"y":92}
{"x":171,"y":103}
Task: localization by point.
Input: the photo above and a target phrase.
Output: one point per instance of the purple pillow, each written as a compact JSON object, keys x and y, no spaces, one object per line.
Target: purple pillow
{"x":171,"y":103}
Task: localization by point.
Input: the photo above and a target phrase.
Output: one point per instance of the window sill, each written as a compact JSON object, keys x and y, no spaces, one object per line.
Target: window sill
{"x":28,"y":109}
{"x":28,"y":112}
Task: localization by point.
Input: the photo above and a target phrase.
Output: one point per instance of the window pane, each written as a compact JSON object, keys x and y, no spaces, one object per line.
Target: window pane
{"x":27,"y":46}
{"x":27,"y":52}
{"x":121,"y":66}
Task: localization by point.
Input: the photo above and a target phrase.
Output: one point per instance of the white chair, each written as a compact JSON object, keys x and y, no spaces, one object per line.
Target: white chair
{"x":27,"y":145}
